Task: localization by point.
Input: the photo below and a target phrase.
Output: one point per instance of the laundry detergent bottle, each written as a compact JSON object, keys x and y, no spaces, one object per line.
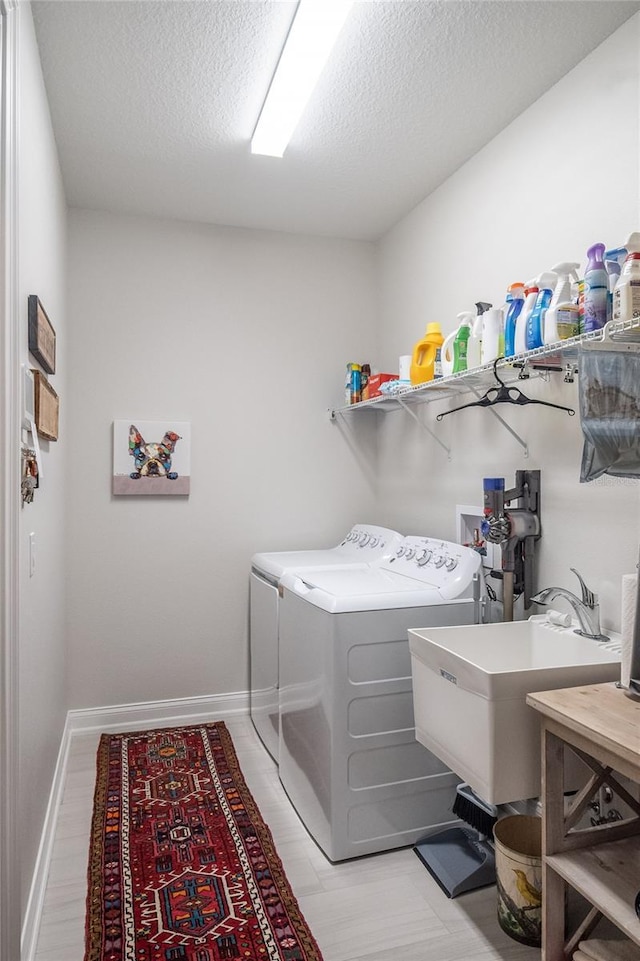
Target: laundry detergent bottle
{"x":515,"y":300}
{"x":535,"y":321}
{"x":493,"y":338}
{"x":626,"y":296}
{"x":461,"y":341}
{"x":613,"y":261}
{"x":596,"y":288}
{"x":424,"y":355}
{"x":446,"y":354}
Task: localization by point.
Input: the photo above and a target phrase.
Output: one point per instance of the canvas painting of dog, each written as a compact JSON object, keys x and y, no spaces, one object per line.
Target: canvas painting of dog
{"x":151,"y":457}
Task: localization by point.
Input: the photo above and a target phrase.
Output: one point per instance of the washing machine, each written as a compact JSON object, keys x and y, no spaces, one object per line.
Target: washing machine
{"x":349,"y":760}
{"x":363,"y":545}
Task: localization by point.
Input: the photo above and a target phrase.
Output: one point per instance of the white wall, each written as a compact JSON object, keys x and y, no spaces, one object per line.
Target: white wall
{"x":245,"y":335}
{"x":564,"y":175}
{"x":42,"y":268}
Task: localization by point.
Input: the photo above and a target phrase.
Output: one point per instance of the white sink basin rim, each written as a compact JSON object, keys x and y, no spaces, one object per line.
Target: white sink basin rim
{"x":469,"y":688}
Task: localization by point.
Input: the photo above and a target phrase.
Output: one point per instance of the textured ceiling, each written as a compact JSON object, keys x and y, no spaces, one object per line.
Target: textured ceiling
{"x":154,"y":103}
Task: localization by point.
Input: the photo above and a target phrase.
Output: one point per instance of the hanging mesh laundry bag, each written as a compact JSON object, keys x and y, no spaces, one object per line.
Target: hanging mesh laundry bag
{"x":610,"y":413}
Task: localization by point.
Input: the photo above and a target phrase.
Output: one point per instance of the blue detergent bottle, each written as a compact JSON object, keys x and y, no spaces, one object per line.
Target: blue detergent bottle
{"x":535,"y":323}
{"x":515,"y":300}
{"x":596,"y":289}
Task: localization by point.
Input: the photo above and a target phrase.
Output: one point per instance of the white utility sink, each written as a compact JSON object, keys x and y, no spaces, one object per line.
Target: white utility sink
{"x":469,"y":688}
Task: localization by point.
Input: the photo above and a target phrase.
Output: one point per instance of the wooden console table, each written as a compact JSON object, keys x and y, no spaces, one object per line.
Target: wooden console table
{"x":601,"y":725}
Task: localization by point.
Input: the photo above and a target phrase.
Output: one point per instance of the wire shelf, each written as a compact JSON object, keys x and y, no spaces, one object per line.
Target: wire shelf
{"x":561,"y":356}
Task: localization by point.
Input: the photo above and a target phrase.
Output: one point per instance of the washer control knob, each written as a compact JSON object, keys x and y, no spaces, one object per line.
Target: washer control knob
{"x":400,"y":551}
{"x":373,"y":542}
{"x":426,"y":557}
{"x":409,"y":553}
{"x":452,"y":563}
{"x":439,"y":561}
{"x":364,"y":538}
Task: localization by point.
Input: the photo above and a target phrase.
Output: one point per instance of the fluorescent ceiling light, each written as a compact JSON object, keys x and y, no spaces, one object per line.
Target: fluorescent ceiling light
{"x":313,"y":33}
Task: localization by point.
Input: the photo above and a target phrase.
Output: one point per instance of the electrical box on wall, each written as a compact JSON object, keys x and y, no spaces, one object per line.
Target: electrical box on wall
{"x":469,"y":532}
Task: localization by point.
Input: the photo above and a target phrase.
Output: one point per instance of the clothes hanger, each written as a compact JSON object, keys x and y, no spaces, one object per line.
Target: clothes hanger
{"x":504,"y":395}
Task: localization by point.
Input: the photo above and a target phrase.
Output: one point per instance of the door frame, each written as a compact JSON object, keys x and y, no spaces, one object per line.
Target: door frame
{"x":10,"y":903}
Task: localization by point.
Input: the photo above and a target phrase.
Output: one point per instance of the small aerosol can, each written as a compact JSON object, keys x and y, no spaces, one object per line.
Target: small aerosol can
{"x":356,"y":384}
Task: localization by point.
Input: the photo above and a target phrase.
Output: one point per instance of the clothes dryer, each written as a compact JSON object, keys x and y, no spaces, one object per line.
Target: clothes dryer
{"x":349,"y":759}
{"x":363,"y":545}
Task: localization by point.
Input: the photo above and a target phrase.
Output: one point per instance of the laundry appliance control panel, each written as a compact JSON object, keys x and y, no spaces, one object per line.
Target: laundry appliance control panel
{"x":439,"y":563}
{"x":368,"y":539}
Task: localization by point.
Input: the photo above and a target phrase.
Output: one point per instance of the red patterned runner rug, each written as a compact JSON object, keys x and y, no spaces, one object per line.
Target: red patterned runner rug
{"x":181,"y":866}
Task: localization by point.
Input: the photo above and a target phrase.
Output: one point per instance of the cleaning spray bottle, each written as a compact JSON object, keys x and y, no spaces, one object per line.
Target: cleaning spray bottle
{"x":561,"y":319}
{"x":530,"y":294}
{"x":461,"y":341}
{"x":474,"y":346}
{"x":535,"y":321}
{"x":424,"y":355}
{"x":632,"y":243}
{"x":515,"y":300}
{"x":596,"y":288}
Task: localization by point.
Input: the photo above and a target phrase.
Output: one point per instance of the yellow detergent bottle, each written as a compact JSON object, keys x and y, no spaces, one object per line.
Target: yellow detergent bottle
{"x":424,"y":355}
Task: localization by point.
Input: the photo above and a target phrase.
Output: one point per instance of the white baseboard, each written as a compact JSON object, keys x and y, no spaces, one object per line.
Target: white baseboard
{"x":138,"y":717}
{"x":119,"y":717}
{"x":33,"y":912}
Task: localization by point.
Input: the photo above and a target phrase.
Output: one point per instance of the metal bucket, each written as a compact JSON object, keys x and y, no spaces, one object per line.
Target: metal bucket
{"x":518,"y":846}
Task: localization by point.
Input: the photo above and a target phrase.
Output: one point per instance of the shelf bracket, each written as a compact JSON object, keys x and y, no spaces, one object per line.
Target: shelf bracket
{"x":506,"y":426}
{"x":421,"y":423}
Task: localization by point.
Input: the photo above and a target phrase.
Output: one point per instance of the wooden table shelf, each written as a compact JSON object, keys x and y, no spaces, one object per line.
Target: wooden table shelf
{"x":602,"y":726}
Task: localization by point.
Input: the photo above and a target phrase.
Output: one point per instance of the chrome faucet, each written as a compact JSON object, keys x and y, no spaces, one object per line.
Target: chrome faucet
{"x":587,"y":610}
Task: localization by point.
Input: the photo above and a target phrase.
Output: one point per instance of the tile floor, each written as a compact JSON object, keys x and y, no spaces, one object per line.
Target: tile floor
{"x":379,"y":908}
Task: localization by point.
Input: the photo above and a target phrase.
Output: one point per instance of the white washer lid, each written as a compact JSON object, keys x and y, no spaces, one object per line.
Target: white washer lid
{"x":342,"y":591}
{"x":280,"y":562}
{"x":363,"y":545}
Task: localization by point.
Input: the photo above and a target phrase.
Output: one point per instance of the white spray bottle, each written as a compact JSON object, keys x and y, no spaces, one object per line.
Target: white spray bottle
{"x":474,"y":346}
{"x":531,"y":294}
{"x":561,"y":320}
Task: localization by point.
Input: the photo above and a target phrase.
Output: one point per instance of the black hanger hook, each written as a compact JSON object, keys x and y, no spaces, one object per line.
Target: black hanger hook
{"x":495,"y":371}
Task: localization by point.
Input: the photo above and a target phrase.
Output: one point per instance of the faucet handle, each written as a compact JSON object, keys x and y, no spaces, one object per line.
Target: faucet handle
{"x":588,"y":597}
